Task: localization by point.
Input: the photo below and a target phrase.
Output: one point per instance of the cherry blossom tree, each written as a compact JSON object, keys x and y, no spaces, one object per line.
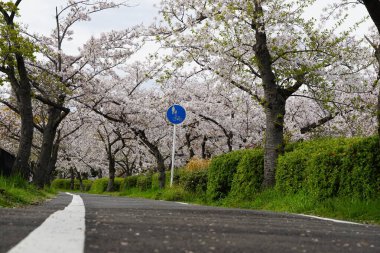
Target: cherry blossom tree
{"x":15,"y":50}
{"x":265,"y":48}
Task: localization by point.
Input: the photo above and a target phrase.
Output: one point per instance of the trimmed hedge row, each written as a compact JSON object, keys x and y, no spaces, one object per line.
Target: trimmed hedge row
{"x":332,"y":167}
{"x":64,"y":184}
{"x":321,"y":168}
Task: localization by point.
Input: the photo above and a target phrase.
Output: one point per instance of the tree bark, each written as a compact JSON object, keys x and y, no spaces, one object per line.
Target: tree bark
{"x":161,"y":170}
{"x":72,"y":177}
{"x":274,"y":140}
{"x":21,"y":86}
{"x":21,"y":164}
{"x":79,"y":177}
{"x":42,"y":173}
{"x":373,"y":8}
{"x":274,"y":104}
{"x":53,"y":158}
{"x":189,"y":147}
{"x":203,"y":146}
{"x":111,"y":171}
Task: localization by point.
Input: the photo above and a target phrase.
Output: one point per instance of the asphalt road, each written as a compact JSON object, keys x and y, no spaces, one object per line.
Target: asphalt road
{"x":137,"y":225}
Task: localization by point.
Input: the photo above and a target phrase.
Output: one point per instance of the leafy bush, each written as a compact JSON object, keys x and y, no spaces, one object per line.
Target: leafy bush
{"x":63,"y":184}
{"x":324,"y":170}
{"x":194,"y":181}
{"x":197,"y":164}
{"x":156,"y":181}
{"x":361,"y":166}
{"x":291,"y":167}
{"x":129,"y":182}
{"x":221,"y":173}
{"x":99,"y":185}
{"x":249,"y":174}
{"x":174,"y":194}
{"x":332,"y":167}
{"x":144,"y":182}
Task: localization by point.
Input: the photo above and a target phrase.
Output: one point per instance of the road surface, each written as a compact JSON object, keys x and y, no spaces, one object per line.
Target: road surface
{"x":113,"y":224}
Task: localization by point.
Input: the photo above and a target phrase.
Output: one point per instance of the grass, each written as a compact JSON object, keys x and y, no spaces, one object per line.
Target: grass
{"x":16,"y":192}
{"x":344,"y":208}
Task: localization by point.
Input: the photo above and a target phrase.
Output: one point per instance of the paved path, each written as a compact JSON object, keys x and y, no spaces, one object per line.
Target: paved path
{"x":136,"y":225}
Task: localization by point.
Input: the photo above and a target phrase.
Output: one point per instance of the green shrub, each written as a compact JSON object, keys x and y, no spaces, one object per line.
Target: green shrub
{"x":129,"y":182}
{"x":221,"y":173}
{"x":249,"y":174}
{"x":291,"y":167}
{"x":361,"y":165}
{"x":194,"y":181}
{"x":174,"y":194}
{"x":144,"y":182}
{"x":99,"y":185}
{"x":331,"y":167}
{"x":63,"y":184}
{"x":324,"y":170}
{"x":156,"y":181}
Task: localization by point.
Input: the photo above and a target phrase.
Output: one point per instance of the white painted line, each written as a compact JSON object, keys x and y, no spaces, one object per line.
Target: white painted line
{"x":328,"y":219}
{"x":182,"y":203}
{"x":61,"y":232}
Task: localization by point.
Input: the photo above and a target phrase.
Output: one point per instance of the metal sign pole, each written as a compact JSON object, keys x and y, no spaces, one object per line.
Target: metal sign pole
{"x":173,"y":153}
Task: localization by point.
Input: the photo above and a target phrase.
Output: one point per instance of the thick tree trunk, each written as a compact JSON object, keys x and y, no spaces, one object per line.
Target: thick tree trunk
{"x":274,"y":140}
{"x":203,"y":146}
{"x":72,"y":177}
{"x":274,"y":104}
{"x":111,"y":172}
{"x":79,"y":177}
{"x":189,"y":147}
{"x":100,"y":173}
{"x":161,"y":170}
{"x":53,"y":159}
{"x":21,"y":164}
{"x":42,"y":173}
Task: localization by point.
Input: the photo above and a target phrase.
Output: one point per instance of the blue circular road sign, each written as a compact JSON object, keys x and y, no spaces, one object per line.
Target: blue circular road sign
{"x":176,"y":114}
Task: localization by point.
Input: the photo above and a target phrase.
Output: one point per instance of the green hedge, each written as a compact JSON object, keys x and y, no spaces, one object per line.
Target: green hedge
{"x":129,"y":182}
{"x":249,"y":174}
{"x":144,"y":182}
{"x":64,"y":184}
{"x":100,"y":185}
{"x":332,"y":167}
{"x":221,"y":172}
{"x":194,"y":181}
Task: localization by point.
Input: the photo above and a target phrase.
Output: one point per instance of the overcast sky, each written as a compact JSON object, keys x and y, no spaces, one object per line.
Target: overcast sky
{"x":39,"y":15}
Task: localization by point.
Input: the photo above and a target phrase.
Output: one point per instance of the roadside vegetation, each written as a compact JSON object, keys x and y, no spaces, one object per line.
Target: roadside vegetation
{"x":335,"y":177}
{"x":16,"y":192}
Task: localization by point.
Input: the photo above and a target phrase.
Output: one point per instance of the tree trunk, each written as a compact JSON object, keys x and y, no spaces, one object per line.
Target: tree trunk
{"x":72,"y":177}
{"x":79,"y":177}
{"x":203,"y":146}
{"x":274,"y":104}
{"x":111,"y":171}
{"x":24,"y":101}
{"x":189,"y":147}
{"x":161,"y":170}
{"x":22,"y":90}
{"x":42,"y":173}
{"x":100,"y":173}
{"x":274,"y":140}
{"x":53,"y":159}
